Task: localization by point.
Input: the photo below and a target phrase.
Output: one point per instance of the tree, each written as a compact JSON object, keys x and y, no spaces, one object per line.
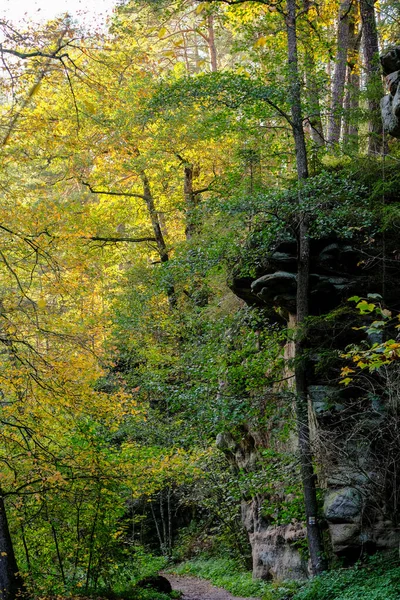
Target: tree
{"x":296,"y":123}
{"x":374,"y":82}
{"x":339,"y":77}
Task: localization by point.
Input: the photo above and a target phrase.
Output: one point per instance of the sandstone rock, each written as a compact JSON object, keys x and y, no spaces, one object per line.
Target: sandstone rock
{"x":343,"y":506}
{"x":390,"y":104}
{"x":344,"y":536}
{"x":325,"y":399}
{"x":385,"y":535}
{"x":275,"y":287}
{"x":390,"y":61}
{"x":226,"y":442}
{"x":343,"y":419}
{"x":392,"y":81}
{"x":275,"y":555}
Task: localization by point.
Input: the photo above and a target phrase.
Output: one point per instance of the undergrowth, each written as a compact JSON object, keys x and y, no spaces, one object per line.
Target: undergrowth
{"x":377,"y":579}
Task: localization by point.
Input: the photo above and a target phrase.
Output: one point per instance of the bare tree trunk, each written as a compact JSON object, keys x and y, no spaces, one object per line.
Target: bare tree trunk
{"x":59,"y":557}
{"x":189,"y":200}
{"x":339,"y":76}
{"x":352,"y":100}
{"x":212,"y":49}
{"x":314,"y":118}
{"x":295,"y":93}
{"x":185,"y":54}
{"x":192,"y":199}
{"x":197,"y":59}
{"x":92,"y":544}
{"x":374,"y":80}
{"x":314,"y":121}
{"x":10,"y":582}
{"x":169,"y":522}
{"x":160,"y":540}
{"x":26,"y":549}
{"x":156,"y":225}
{"x":78,"y":538}
{"x":314,"y":537}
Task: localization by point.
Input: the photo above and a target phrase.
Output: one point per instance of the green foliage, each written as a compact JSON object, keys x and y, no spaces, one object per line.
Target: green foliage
{"x":372,"y":355}
{"x":377,"y":580}
{"x":222,"y":89}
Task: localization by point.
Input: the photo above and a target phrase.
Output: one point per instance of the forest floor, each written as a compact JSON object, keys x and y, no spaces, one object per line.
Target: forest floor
{"x":194,"y":588}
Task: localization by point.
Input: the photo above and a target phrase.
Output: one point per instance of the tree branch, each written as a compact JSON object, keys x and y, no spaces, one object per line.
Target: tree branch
{"x":119,"y":239}
{"x":110,"y":193}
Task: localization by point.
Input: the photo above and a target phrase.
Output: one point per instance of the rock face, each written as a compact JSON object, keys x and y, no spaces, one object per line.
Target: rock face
{"x":351,"y":427}
{"x":338,"y":270}
{"x":390,"y":104}
{"x":276,"y":555}
{"x":275,"y":548}
{"x":343,"y":506}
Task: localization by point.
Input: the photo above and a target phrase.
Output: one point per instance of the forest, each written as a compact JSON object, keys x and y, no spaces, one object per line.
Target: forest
{"x":199,"y":307}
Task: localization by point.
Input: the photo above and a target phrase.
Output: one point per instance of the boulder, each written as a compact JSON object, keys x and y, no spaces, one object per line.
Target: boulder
{"x":157,"y":583}
{"x":344,"y":505}
{"x":390,"y":104}
{"x":390,"y":61}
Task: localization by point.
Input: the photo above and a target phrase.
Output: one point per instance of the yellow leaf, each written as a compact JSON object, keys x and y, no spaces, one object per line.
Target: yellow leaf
{"x":89,"y":107}
{"x":260,"y":42}
{"x":162,"y":32}
{"x":347,"y":370}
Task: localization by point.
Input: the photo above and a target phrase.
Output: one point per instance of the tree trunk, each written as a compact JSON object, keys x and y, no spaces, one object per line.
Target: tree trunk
{"x":189,"y":200}
{"x":10,"y":582}
{"x":314,"y":118}
{"x":212,"y":49}
{"x":314,"y":121}
{"x":192,"y":200}
{"x":295,"y":93}
{"x":374,"y":80}
{"x":314,"y":537}
{"x":339,"y":76}
{"x":156,"y":225}
{"x":352,"y":100}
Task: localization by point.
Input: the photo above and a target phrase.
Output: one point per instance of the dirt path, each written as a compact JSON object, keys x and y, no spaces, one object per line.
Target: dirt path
{"x":199,"y":589}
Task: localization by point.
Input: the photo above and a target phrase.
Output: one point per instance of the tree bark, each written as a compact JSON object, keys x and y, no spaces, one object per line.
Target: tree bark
{"x":314,"y":118}
{"x":374,"y":80}
{"x":339,"y":76}
{"x":189,"y":200}
{"x":352,"y":100}
{"x":156,"y":225}
{"x":314,"y":537}
{"x":212,"y":49}
{"x":192,"y":200}
{"x":11,"y":584}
